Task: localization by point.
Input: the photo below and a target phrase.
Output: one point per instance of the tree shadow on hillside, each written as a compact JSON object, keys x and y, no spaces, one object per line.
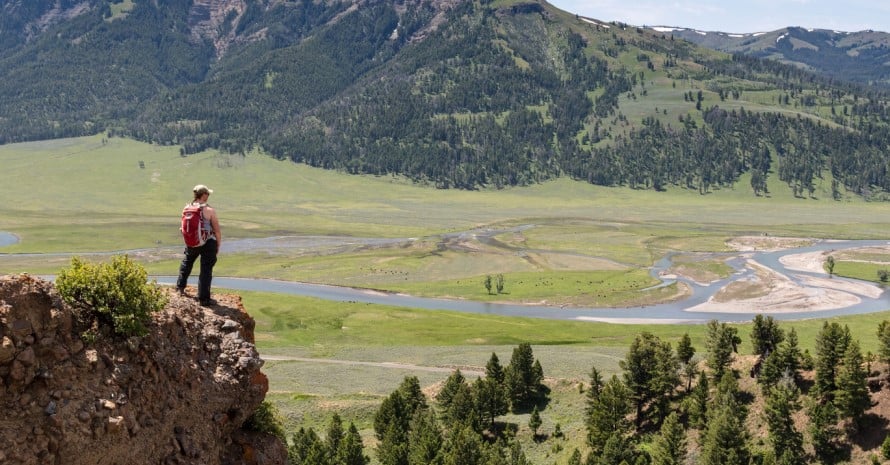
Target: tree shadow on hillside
{"x":871,"y":432}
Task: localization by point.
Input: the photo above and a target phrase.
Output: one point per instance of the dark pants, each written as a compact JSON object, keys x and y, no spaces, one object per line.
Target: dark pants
{"x":207,"y":252}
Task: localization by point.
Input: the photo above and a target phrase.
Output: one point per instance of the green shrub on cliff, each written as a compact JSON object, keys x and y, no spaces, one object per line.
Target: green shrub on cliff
{"x":266,"y":419}
{"x":115,"y":294}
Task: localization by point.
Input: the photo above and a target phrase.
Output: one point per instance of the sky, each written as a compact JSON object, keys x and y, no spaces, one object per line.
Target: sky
{"x":738,"y":15}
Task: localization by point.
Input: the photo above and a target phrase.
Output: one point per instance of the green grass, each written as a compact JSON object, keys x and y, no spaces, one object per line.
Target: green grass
{"x":860,"y":270}
{"x":590,"y":288}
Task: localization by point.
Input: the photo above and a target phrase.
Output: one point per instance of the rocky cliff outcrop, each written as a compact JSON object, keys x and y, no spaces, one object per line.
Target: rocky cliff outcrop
{"x":177,"y":395}
{"x":216,"y":21}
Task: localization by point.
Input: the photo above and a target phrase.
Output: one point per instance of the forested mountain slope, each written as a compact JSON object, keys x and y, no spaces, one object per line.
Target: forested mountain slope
{"x":460,"y":93}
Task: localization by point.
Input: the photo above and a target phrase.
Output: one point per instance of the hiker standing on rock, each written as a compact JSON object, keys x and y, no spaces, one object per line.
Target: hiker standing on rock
{"x":200,"y":230}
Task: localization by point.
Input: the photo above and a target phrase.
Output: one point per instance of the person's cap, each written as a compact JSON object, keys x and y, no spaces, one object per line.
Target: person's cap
{"x":201,"y":189}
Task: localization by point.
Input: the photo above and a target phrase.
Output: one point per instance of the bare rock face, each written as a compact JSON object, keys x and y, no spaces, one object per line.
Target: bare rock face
{"x":176,"y":396}
{"x":215,"y":20}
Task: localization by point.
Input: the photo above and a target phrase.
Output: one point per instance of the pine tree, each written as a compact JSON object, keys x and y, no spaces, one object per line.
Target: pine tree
{"x":852,"y":398}
{"x":352,"y":449}
{"x":424,"y":440}
{"x":831,"y":344}
{"x":537,"y":379}
{"x":722,"y":342}
{"x":491,"y":399}
{"x":391,"y":424}
{"x":464,"y":447}
{"x":617,"y":450}
{"x":391,"y":413}
{"x":334,"y":438}
{"x":493,"y":369}
{"x":669,"y":447}
{"x":596,"y":386}
{"x":463,"y":412}
{"x":413,"y":395}
{"x":393,"y":447}
{"x":534,"y":421}
{"x":685,"y":351}
{"x":885,"y":447}
{"x":516,"y":456}
{"x":726,"y":396}
{"x":884,"y":341}
{"x":698,"y":401}
{"x":792,"y":359}
{"x":522,"y":377}
{"x":607,"y":414}
{"x":824,"y":433}
{"x":318,"y":455}
{"x":783,"y":363}
{"x":771,"y":371}
{"x":305,"y":448}
{"x":765,"y":335}
{"x":650,"y":373}
{"x":781,"y":404}
{"x":493,"y":455}
{"x":725,"y":441}
{"x":451,"y":386}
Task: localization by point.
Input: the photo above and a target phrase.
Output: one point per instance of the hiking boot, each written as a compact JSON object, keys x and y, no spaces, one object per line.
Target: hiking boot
{"x":181,"y":291}
{"x":207,"y":302}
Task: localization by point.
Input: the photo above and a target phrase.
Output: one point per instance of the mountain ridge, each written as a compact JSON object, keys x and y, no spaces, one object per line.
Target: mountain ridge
{"x":860,"y":56}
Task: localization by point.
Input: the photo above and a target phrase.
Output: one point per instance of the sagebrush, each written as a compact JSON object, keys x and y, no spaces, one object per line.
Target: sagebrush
{"x":115,"y":294}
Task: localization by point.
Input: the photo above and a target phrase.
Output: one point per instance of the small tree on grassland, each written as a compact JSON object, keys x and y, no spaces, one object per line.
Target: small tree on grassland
{"x":534,"y":421}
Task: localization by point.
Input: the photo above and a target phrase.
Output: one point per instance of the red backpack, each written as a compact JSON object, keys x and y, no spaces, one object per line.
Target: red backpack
{"x":193,"y":231}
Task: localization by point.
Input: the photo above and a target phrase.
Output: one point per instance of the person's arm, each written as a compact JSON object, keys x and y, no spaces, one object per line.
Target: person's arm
{"x":214,"y":223}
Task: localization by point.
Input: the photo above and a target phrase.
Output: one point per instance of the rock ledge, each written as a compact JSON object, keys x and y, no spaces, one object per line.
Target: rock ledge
{"x":176,"y":396}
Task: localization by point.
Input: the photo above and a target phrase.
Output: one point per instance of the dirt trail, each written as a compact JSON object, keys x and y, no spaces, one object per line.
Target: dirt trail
{"x":472,"y":371}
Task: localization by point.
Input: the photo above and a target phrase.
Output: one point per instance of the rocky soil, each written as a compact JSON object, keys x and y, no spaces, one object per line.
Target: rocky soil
{"x":178,"y":395}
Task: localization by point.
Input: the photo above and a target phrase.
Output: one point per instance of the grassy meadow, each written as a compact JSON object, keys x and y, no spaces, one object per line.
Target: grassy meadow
{"x":584,"y":244}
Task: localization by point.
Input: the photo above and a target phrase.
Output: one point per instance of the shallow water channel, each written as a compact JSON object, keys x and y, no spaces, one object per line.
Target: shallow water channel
{"x":8,"y":239}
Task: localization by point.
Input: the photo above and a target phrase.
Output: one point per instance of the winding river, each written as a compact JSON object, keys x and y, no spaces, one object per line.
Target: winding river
{"x":674,"y":312}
